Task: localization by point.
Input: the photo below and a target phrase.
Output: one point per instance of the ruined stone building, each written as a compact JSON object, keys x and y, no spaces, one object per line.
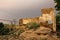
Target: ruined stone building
{"x":28,"y":20}
{"x":47,"y":15}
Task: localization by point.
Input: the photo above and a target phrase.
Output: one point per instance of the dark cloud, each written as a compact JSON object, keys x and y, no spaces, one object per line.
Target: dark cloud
{"x":29,"y":9}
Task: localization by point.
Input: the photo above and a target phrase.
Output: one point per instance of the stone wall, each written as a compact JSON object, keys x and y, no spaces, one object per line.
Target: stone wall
{"x":28,"y":20}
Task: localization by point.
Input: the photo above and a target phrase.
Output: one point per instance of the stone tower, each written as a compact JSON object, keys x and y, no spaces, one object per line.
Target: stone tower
{"x":48,"y":14}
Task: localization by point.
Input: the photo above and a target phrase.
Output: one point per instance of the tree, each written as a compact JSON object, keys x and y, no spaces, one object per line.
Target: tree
{"x":3,"y":30}
{"x":58,"y":18}
{"x":58,"y":24}
{"x":58,"y":21}
{"x":1,"y":25}
{"x":57,"y":5}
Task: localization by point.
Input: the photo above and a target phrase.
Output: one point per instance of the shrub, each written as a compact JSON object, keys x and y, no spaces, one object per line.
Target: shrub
{"x":33,"y":25}
{"x":3,"y":31}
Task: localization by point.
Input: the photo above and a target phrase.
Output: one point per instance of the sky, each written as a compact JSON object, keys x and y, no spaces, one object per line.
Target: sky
{"x":17,"y":9}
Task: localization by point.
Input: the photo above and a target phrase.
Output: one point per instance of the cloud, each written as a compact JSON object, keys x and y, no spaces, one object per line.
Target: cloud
{"x":22,"y":4}
{"x":10,"y":9}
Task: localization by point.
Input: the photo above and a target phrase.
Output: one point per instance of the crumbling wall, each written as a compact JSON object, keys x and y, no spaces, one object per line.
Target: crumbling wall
{"x":48,"y":15}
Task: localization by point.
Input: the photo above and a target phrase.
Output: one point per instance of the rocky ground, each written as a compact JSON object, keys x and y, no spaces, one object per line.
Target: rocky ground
{"x":28,"y":36}
{"x":41,"y":33}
